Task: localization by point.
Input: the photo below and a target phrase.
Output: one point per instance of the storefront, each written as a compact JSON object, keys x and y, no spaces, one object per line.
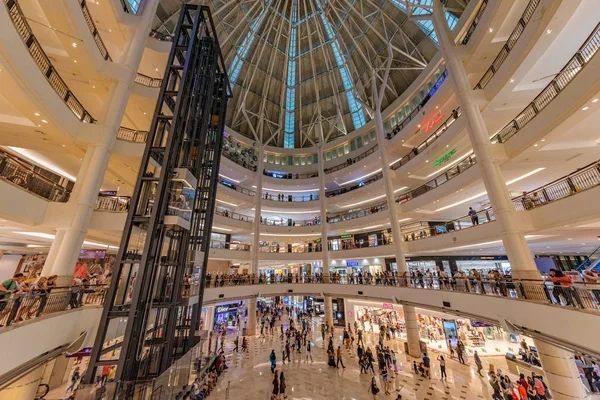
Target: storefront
{"x":229,"y":314}
{"x":453,"y":264}
{"x":370,"y":239}
{"x":370,"y":318}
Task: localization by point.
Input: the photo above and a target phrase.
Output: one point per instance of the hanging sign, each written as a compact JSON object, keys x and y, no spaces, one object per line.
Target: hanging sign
{"x":444,"y":158}
{"x":431,"y":123}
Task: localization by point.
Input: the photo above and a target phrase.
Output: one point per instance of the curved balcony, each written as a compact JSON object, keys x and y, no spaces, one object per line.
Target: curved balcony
{"x":148,"y":81}
{"x":427,"y":142}
{"x":354,"y":214}
{"x":346,"y":189}
{"x":352,"y":160}
{"x":289,"y":175}
{"x":289,"y":198}
{"x":424,"y":230}
{"x":290,"y":222}
{"x":566,"y":75}
{"x":236,"y":187}
{"x":44,"y":64}
{"x":113,"y":203}
{"x":439,"y":180}
{"x":474,"y":23}
{"x":132,"y":135}
{"x":233,"y":215}
{"x":509,"y":45}
{"x":94,"y":31}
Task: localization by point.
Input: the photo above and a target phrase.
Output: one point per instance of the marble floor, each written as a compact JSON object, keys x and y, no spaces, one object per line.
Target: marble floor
{"x":249,"y":376}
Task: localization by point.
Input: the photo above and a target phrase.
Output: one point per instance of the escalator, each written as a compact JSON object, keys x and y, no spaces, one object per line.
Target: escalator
{"x":592,"y":262}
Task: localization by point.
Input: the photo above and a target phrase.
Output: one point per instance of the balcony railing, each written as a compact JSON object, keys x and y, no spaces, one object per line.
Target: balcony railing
{"x":237,"y":188}
{"x":439,"y":180}
{"x":578,"y":181}
{"x":289,"y":175}
{"x":234,"y":215}
{"x":353,"y":214}
{"x":290,"y":198}
{"x":346,"y":189}
{"x":15,"y":171}
{"x":416,"y":112}
{"x":131,"y":135}
{"x":220,"y":244}
{"x":427,"y":142}
{"x":94,"y":31}
{"x":290,"y":223}
{"x":509,"y":45}
{"x":352,"y":160}
{"x":425,"y":230}
{"x":583,"y":56}
{"x":113,"y":204}
{"x":43,"y":62}
{"x":475,"y":22}
{"x":149,"y":81}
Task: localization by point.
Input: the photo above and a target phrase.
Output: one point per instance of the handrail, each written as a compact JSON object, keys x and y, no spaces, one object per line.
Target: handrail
{"x":290,"y":198}
{"x":113,"y":203}
{"x":444,"y":177}
{"x":475,"y":22}
{"x":367,"y":181}
{"x":149,"y":81}
{"x":352,"y":160}
{"x":43,"y":62}
{"x":509,"y":45}
{"x":12,"y":169}
{"x":427,"y":142}
{"x":234,"y":186}
{"x":289,"y":175}
{"x":399,"y":126}
{"x":290,"y":223}
{"x":221,"y":244}
{"x":94,"y":31}
{"x":353,"y":214}
{"x":411,"y":232}
{"x":132,"y":135}
{"x":580,"y":180}
{"x":581,"y":296}
{"x":234,"y":215}
{"x":581,"y":58}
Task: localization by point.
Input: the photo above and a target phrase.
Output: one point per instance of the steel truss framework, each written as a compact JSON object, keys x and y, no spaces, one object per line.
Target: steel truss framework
{"x":146,"y":324}
{"x":317,"y":86}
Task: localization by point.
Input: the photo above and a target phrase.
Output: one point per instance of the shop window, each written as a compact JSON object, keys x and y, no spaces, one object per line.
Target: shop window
{"x":266,"y":157}
{"x":353,"y":145}
{"x":328,"y":156}
{"x":407,"y":109}
{"x":309,"y":160}
{"x":393,"y":119}
{"x":372,"y":135}
{"x":387,"y":126}
{"x":340,"y":151}
{"x":303,"y":160}
{"x":346,"y":148}
{"x":366,"y":139}
{"x":277,"y":159}
{"x":400,"y":115}
{"x":316,"y":158}
{"x":296,"y":160}
{"x":334,"y":154}
{"x":290,"y":160}
{"x":271,"y":159}
{"x":359,"y":142}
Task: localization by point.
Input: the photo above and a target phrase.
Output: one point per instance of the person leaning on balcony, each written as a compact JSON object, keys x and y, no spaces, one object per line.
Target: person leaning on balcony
{"x":563,"y":285}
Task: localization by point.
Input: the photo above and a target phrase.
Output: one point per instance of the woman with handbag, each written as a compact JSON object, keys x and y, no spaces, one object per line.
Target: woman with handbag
{"x":373,"y":389}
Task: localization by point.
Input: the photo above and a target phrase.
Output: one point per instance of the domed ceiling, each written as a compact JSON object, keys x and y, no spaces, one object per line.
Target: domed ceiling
{"x":302,"y":70}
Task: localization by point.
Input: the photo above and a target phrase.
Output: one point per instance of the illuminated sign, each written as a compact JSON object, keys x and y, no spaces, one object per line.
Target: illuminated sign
{"x":226,"y":308}
{"x":346,"y":236}
{"x":444,"y":158}
{"x":352,"y":264}
{"x":431,"y":123}
{"x":388,"y":306}
{"x":438,"y":83}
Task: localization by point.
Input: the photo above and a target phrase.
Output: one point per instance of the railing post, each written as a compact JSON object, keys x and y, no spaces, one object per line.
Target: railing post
{"x":14,"y":310}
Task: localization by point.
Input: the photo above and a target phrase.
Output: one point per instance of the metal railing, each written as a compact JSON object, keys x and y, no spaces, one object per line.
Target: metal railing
{"x":580,"y":180}
{"x":427,"y":142}
{"x":290,"y":223}
{"x":113,"y":204}
{"x":290,"y":198}
{"x":581,"y":58}
{"x":416,"y":112}
{"x":289,"y":175}
{"x":23,"y":306}
{"x":352,"y":160}
{"x":353,"y":214}
{"x":346,"y":189}
{"x":149,"y":81}
{"x":220,"y":244}
{"x":132,"y":135}
{"x":179,"y":210}
{"x":581,"y":296}
{"x":24,"y":176}
{"x":439,"y":180}
{"x":234,"y":215}
{"x":510,"y":43}
{"x":284,"y":248}
{"x":475,"y":22}
{"x":425,"y":230}
{"x":237,"y":188}
{"x":43,"y":62}
{"x":94,"y":31}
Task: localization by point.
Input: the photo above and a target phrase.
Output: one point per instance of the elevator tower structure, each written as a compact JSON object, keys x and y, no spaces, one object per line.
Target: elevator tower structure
{"x":149,"y":320}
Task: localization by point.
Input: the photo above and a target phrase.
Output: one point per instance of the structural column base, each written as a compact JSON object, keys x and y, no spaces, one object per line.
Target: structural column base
{"x":412,"y":331}
{"x":562,"y":376}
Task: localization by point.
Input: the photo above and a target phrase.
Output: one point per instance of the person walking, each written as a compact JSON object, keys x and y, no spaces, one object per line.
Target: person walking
{"x":373,"y":389}
{"x":442,"y":367}
{"x":339,"y":358}
{"x":478,"y":363}
{"x":236,"y":344}
{"x":275,"y":385}
{"x":427,"y":365}
{"x":474,"y":216}
{"x":386,"y":381}
{"x":308,"y":352}
{"x":273,"y":359}
{"x":459,"y":353}
{"x":282,"y":385}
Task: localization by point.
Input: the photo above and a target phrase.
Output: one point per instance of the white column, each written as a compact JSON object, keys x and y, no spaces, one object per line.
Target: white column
{"x":562,"y":376}
{"x":412,"y":331}
{"x":56,"y":243}
{"x":323,"y":202}
{"x":257,"y":210}
{"x":512,"y":236}
{"x":99,"y":153}
{"x":328,"y":310}
{"x":209,"y":321}
{"x":252,"y":315}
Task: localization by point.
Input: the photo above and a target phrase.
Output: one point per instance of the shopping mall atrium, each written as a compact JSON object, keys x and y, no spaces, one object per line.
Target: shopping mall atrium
{"x":300,"y":199}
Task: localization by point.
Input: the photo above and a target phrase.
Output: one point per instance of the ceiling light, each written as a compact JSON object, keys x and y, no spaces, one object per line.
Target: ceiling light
{"x":228,"y":203}
{"x":228,"y":178}
{"x":93,"y":86}
{"x":535,"y":171}
{"x":570,"y":239}
{"x":36,"y":114}
{"x":548,"y":31}
{"x":44,"y":121}
{"x":41,"y":235}
{"x":221,"y":229}
{"x":595,"y":101}
{"x":363,"y":202}
{"x":359,"y":178}
{"x":512,"y":80}
{"x":110,"y":30}
{"x":75,"y":61}
{"x":491,"y":30}
{"x":584,"y":108}
{"x":33,"y":246}
{"x":74,"y":44}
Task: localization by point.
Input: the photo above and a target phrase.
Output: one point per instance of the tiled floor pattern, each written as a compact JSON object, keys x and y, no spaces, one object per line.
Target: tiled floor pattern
{"x":249,"y":376}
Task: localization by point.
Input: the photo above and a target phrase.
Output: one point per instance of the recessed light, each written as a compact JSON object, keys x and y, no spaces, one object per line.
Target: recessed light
{"x":75,"y":61}
{"x":491,"y":30}
{"x":36,"y":114}
{"x":548,"y":31}
{"x":156,"y":69}
{"x":93,"y":86}
{"x":64,"y":145}
{"x":74,"y":44}
{"x":512,"y":80}
{"x":584,"y":108}
{"x":570,"y":239}
{"x":39,"y":126}
{"x":543,"y":140}
{"x":535,"y":145}
{"x":593,"y":101}
{"x":110,"y":30}
{"x":44,"y":121}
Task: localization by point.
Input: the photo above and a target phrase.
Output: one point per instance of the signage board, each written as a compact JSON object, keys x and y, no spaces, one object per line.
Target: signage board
{"x":352,"y":263}
{"x":346,"y":236}
{"x":227,"y":308}
{"x":388,"y":306}
{"x":83,"y":253}
{"x":444,"y":158}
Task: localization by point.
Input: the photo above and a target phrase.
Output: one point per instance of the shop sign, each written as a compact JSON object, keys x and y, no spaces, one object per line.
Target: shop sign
{"x":444,"y":158}
{"x":388,"y":306}
{"x":84,"y":352}
{"x":85,"y":254}
{"x":107,"y":193}
{"x":346,"y":236}
{"x":349,"y":313}
{"x":227,"y":308}
{"x":352,"y":264}
{"x":286,"y":300}
{"x":431,"y":123}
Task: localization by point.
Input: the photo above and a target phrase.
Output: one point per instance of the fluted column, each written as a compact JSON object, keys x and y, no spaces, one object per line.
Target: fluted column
{"x":251,"y":316}
{"x":257,"y":209}
{"x":328,"y":305}
{"x":517,"y":250}
{"x":323,"y":202}
{"x":562,"y":376}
